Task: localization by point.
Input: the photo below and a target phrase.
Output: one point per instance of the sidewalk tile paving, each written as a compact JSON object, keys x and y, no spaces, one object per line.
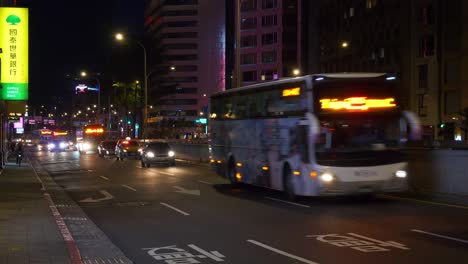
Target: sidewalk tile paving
{"x":28,"y":231}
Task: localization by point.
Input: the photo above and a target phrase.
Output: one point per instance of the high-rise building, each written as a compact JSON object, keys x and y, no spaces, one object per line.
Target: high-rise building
{"x":423,"y":42}
{"x":270,"y":39}
{"x":186,"y":61}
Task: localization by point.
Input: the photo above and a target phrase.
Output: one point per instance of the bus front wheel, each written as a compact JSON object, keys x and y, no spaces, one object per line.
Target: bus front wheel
{"x":288,"y":184}
{"x":231,"y":172}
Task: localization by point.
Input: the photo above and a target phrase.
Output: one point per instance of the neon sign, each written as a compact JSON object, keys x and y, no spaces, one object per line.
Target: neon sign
{"x":60,"y":133}
{"x":296,"y":91}
{"x":357,"y":103}
{"x":46,"y":132}
{"x":94,"y":130}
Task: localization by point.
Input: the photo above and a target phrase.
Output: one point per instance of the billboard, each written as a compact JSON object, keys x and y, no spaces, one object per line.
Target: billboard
{"x":14,"y":24}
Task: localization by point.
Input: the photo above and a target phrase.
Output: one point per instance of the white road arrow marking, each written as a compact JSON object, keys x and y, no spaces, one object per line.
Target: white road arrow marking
{"x":107,"y":196}
{"x":186,"y":191}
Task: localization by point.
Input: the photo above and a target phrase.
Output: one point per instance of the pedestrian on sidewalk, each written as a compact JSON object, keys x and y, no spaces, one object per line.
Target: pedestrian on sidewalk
{"x":19,"y":153}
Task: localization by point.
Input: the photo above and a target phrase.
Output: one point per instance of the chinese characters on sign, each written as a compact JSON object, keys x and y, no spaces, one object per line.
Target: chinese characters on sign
{"x":175,"y":255}
{"x":359,"y":242}
{"x":13,"y":35}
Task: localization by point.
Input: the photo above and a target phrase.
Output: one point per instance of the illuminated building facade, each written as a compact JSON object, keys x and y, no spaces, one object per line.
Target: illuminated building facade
{"x":186,"y":61}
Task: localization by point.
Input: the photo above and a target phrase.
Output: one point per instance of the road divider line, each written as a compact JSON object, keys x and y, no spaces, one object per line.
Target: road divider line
{"x":104,"y":177}
{"x":281,"y":252}
{"x":205,"y":182}
{"x":283,"y":201}
{"x":128,"y":187}
{"x":440,"y":236}
{"x":175,"y":209}
{"x":422,"y":201}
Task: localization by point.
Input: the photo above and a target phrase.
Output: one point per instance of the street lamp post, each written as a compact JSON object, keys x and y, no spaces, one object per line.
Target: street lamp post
{"x":120,"y":37}
{"x":84,"y":74}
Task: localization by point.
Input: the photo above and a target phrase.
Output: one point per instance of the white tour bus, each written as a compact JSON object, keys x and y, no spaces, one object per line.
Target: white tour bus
{"x":323,"y":134}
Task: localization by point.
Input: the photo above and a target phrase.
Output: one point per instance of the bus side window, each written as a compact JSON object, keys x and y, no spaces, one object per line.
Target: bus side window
{"x":303,"y":143}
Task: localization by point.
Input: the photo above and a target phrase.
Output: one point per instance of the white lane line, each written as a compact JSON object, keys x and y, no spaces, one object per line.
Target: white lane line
{"x":104,"y":177}
{"x":128,"y":187}
{"x":170,"y":174}
{"x":175,"y":209}
{"x":422,"y":201}
{"x":441,"y":236}
{"x":90,"y":170}
{"x":283,"y":201}
{"x":205,"y":182}
{"x":281,"y":252}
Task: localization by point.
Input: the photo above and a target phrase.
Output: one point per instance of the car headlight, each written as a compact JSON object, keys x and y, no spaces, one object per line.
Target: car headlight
{"x":63,"y":145}
{"x":86,"y":146}
{"x":124,"y":150}
{"x":401,"y":174}
{"x":326,"y":177}
{"x":140,"y":150}
{"x":51,"y":146}
{"x":150,"y":154}
{"x":171,"y":153}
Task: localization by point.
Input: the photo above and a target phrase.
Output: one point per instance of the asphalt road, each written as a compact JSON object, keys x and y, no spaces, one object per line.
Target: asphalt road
{"x":187,"y":214}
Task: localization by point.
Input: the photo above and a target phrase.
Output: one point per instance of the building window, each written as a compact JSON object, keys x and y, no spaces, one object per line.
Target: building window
{"x":426,"y":15}
{"x":422,"y":107}
{"x":249,"y":41}
{"x":268,"y":21}
{"x":351,"y":12}
{"x":269,"y":38}
{"x":181,"y":35}
{"x":422,"y":76}
{"x":248,"y":23}
{"x":269,"y":57}
{"x":247,"y":59}
{"x":268,"y":75}
{"x":248,"y":5}
{"x":249,"y":76}
{"x":182,"y":24}
{"x":371,"y":3}
{"x":267,"y":4}
{"x":426,"y":46}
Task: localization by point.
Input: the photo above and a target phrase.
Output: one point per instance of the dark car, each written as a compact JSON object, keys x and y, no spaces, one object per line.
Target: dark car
{"x":157,"y":152}
{"x":106,"y":148}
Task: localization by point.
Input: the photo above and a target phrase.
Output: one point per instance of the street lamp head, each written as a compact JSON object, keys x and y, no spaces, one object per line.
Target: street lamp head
{"x":344,"y":44}
{"x":296,"y":72}
{"x":83,"y":74}
{"x":119,"y":36}
{"x":172,"y":68}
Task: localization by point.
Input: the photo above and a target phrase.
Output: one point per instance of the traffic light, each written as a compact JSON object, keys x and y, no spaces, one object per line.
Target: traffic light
{"x":442,"y":125}
{"x":129,"y":122}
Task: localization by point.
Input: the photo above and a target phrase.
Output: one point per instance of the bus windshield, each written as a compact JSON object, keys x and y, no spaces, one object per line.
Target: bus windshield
{"x":358,"y":133}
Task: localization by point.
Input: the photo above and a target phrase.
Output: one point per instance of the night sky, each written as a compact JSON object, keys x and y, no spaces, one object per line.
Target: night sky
{"x":69,"y":36}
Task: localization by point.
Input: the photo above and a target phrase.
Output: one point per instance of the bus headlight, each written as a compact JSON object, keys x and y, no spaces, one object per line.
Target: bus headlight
{"x":326,"y":177}
{"x":51,"y":146}
{"x":401,"y":174}
{"x":63,"y":145}
{"x":171,"y":153}
{"x":150,"y":154}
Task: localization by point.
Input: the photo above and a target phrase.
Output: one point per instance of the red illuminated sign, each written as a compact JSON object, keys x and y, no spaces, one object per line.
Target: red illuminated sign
{"x":94,"y":130}
{"x":357,"y":103}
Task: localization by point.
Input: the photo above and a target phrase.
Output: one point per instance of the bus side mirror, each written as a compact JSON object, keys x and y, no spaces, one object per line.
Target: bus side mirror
{"x":414,"y":125}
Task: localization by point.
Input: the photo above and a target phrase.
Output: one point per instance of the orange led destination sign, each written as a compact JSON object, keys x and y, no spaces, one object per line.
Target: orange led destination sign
{"x":94,"y":130}
{"x":60,"y":133}
{"x":46,"y":132}
{"x":296,"y":91}
{"x":357,"y":103}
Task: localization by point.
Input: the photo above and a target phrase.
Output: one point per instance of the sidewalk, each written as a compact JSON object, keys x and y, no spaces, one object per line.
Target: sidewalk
{"x":28,"y":230}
